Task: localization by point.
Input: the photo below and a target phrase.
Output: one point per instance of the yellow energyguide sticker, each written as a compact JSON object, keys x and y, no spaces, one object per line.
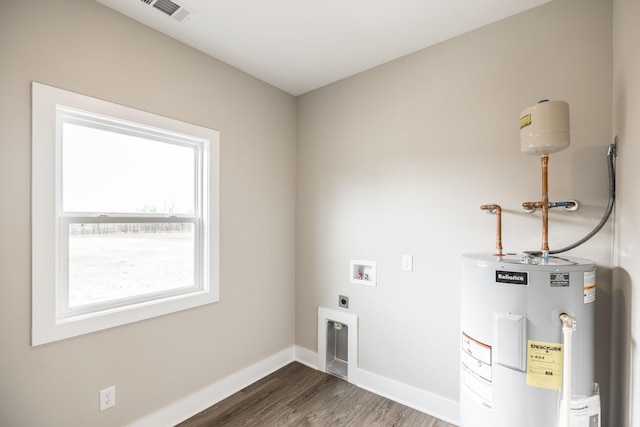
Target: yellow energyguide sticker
{"x":544,"y":365}
{"x":525,"y":121}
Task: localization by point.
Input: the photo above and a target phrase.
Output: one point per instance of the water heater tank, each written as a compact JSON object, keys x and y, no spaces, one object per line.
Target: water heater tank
{"x":512,"y":342}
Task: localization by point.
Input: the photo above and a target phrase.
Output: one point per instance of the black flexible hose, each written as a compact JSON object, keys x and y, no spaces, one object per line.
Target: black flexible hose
{"x":611,"y":153}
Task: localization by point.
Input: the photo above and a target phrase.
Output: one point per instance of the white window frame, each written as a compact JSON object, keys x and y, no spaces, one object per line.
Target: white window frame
{"x":52,"y":319}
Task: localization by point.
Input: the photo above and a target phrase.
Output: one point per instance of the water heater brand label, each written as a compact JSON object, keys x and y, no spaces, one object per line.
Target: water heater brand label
{"x":512,"y":277}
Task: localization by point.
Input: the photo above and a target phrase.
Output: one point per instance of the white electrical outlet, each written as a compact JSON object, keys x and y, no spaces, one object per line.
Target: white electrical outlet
{"x":107,"y":398}
{"x":407,"y":262}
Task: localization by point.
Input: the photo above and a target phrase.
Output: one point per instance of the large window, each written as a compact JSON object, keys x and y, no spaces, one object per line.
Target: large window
{"x":125,"y":215}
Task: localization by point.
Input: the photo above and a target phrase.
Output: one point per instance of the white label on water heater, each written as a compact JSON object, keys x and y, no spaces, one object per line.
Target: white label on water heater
{"x":585,"y":412}
{"x":589,"y":287}
{"x":476,"y":370}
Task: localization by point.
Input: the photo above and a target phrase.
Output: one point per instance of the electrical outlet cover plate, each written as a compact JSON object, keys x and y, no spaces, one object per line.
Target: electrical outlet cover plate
{"x":107,"y":398}
{"x":407,"y":262}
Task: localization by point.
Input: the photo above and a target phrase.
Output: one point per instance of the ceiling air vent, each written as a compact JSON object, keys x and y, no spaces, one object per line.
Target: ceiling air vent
{"x":180,"y":14}
{"x":173,"y":9}
{"x":166,"y":6}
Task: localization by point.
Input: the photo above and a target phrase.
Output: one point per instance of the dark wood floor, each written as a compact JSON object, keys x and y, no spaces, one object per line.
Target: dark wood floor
{"x":297,"y":395}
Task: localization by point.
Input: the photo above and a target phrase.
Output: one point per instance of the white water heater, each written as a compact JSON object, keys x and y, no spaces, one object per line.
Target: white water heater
{"x":512,"y":340}
{"x":527,"y":342}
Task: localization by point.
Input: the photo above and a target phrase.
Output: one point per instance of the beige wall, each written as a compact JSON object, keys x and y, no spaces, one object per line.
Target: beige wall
{"x":82,"y":46}
{"x":398,"y":159}
{"x":625,"y":371}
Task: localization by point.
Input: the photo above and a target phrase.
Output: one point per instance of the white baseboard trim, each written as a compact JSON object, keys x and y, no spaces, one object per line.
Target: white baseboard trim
{"x":189,"y":406}
{"x":306,"y":357}
{"x":413,"y":397}
{"x":423,"y":401}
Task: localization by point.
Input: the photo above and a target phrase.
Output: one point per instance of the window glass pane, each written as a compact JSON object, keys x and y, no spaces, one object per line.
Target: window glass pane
{"x":112,"y":261}
{"x":112,"y":172}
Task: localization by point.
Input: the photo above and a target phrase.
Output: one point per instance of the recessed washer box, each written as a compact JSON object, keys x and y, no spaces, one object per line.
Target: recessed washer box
{"x":362,"y":272}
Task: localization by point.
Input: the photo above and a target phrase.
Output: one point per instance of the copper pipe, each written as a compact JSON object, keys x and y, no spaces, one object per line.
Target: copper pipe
{"x":545,"y":206}
{"x":570,"y":205}
{"x":532,"y":205}
{"x":498,"y":211}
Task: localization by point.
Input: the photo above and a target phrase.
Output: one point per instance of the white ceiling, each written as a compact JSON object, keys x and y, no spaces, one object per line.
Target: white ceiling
{"x":301,"y":45}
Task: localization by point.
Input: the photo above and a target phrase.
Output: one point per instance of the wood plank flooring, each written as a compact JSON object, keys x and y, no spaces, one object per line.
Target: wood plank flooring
{"x":297,"y":395}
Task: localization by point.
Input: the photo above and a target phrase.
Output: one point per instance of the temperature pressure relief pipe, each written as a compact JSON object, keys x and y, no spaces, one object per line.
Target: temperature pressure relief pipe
{"x":498,"y":211}
{"x":568,"y":326}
